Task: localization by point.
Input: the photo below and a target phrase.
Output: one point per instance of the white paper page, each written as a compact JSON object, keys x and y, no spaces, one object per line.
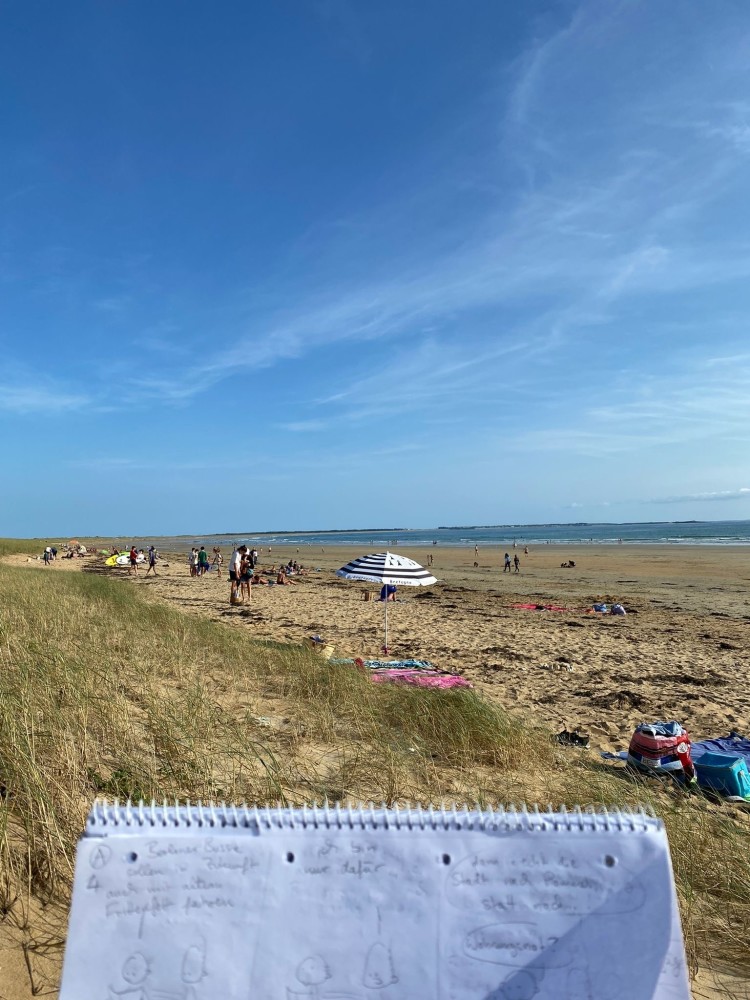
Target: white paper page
{"x":375,"y":914}
{"x":165,"y":917}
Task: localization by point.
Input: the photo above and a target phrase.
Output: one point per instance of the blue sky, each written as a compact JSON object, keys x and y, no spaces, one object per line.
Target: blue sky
{"x":333,"y":263}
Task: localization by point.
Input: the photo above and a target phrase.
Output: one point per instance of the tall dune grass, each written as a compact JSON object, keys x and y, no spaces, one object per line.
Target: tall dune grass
{"x":104,"y":693}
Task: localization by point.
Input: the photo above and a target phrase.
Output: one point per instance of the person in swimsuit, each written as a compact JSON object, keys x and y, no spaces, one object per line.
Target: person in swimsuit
{"x":246,"y":576}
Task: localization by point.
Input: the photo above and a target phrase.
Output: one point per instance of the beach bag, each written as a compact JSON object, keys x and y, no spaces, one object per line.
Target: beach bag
{"x":661,"y":748}
{"x":724,"y":773}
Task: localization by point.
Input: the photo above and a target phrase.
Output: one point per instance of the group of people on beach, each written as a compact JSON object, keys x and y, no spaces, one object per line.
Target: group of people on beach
{"x":244,"y":572}
{"x":516,"y":563}
{"x":198,"y":561}
{"x":137,"y":556}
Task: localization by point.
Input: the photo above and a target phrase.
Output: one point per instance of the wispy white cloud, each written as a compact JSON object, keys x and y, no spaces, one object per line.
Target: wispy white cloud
{"x":741,"y":494}
{"x":113,"y":304}
{"x":690,"y":404}
{"x":304,"y":426}
{"x":595,"y":234}
{"x":24,"y":399}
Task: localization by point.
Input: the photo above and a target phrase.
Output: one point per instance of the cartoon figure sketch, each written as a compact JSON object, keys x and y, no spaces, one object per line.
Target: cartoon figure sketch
{"x":578,"y":985}
{"x":135,"y":971}
{"x":522,"y":985}
{"x":379,"y":971}
{"x":311,"y":972}
{"x":193,"y":970}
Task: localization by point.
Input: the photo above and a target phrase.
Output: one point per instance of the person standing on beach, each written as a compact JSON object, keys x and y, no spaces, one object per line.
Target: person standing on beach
{"x":506,"y":568}
{"x":517,"y":562}
{"x":47,"y":556}
{"x":152,"y":557}
{"x":476,"y":551}
{"x":235,"y":571}
{"x":246,"y":575}
{"x":202,"y":561}
{"x":133,"y":560}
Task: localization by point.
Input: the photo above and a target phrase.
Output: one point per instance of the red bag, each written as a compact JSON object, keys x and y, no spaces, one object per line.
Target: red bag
{"x":662,"y":748}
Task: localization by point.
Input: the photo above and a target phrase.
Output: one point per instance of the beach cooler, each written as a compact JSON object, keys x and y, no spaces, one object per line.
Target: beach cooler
{"x":724,"y":773}
{"x":661,"y":748}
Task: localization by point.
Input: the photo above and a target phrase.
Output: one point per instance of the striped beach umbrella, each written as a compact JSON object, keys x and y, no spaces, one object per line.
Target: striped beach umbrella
{"x":387,"y":568}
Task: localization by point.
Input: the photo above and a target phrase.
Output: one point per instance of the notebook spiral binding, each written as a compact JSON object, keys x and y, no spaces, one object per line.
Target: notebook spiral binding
{"x":106,"y":815}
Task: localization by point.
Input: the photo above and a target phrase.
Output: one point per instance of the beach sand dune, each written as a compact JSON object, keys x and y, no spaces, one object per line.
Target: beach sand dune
{"x":681,"y":652}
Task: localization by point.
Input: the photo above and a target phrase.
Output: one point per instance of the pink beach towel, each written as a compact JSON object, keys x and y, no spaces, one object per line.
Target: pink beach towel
{"x":420,"y":678}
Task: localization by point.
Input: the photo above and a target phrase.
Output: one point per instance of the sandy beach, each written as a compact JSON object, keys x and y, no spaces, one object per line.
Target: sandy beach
{"x":681,"y":652}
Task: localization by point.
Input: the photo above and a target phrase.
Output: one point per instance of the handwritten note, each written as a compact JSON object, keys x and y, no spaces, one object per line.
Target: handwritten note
{"x":374,"y":914}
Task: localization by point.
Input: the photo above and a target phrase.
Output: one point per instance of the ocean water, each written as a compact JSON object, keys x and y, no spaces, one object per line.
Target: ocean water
{"x":372,"y":540}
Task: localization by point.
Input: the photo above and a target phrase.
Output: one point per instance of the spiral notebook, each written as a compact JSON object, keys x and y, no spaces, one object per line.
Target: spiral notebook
{"x":223,"y":903}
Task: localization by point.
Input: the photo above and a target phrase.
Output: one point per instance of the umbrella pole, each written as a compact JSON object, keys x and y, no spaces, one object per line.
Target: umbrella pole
{"x":385,"y":644}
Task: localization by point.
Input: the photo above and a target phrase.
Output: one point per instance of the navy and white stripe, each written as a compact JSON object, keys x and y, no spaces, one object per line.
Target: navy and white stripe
{"x":387,"y":567}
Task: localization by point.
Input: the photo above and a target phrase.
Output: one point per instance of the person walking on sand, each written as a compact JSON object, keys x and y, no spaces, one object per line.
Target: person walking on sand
{"x":202,"y":561}
{"x":47,"y":556}
{"x":133,"y":560}
{"x":152,"y":557}
{"x":517,"y":562}
{"x":506,"y":567}
{"x":476,"y":551}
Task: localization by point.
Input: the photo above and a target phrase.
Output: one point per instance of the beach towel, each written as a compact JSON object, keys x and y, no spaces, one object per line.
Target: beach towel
{"x":395,"y":664}
{"x":421,"y":678}
{"x":378,"y":664}
{"x":540,"y":607}
{"x":734,"y":744}
{"x":418,"y":672}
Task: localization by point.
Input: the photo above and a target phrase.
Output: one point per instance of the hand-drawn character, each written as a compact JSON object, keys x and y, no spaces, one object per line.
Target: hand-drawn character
{"x":379,"y":971}
{"x":578,"y":985}
{"x":193,"y":969}
{"x":522,"y":985}
{"x":311,"y":972}
{"x":135,"y":972}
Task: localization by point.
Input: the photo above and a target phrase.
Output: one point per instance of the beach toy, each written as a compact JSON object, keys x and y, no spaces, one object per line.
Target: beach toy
{"x":320,"y":647}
